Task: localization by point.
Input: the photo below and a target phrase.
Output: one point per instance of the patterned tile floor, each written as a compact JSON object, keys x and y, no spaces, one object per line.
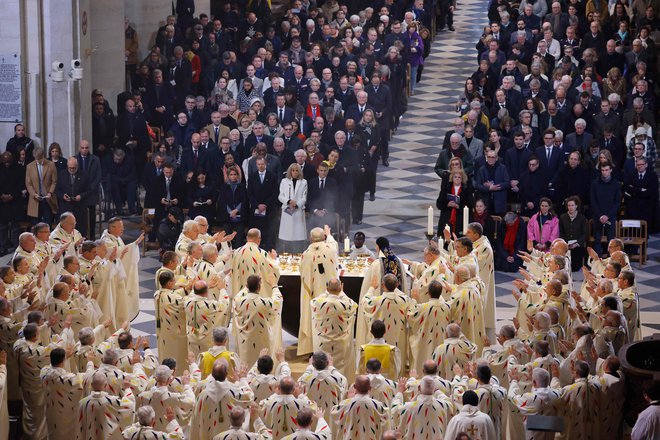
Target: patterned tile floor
{"x":410,"y":185}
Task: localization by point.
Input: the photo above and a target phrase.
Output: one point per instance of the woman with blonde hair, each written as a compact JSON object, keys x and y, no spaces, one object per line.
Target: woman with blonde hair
{"x":614,"y":83}
{"x":455,"y":195}
{"x":245,"y":126}
{"x":314,"y":157}
{"x":293,"y":196}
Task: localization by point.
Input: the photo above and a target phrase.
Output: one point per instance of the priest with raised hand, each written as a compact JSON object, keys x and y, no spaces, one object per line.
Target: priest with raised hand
{"x":333,"y":320}
{"x":189,"y":234}
{"x":210,"y":268}
{"x":431,"y":269}
{"x":66,"y":232}
{"x":466,"y":305}
{"x":127,"y":304}
{"x":483,"y":251}
{"x":203,"y":314}
{"x":318,"y":265}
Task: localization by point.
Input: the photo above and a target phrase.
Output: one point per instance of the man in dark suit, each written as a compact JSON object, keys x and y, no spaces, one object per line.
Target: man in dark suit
{"x":640,"y":192}
{"x":103,"y":130}
{"x":309,"y":172}
{"x":552,"y":117}
{"x":196,"y":118}
{"x":284,"y":114}
{"x":153,"y":171}
{"x":72,"y":190}
{"x":159,"y":101}
{"x":257,"y":136}
{"x":169,"y":191}
{"x":291,"y":141}
{"x":549,"y":159}
{"x":322,"y":192}
{"x":179,"y":75}
{"x":133,"y":136}
{"x":195,"y":157}
{"x":356,"y":110}
{"x":380,"y":98}
{"x":262,"y":194}
{"x":90,"y":165}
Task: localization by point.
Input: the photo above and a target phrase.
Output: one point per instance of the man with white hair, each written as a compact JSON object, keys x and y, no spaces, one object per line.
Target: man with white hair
{"x":467,"y":305}
{"x":128,"y":287}
{"x":541,"y":400}
{"x":161,"y":398}
{"x":483,"y":251}
{"x":425,"y":417}
{"x":455,"y":349}
{"x":318,"y":265}
{"x":211,"y":268}
{"x":103,"y":415}
{"x":189,"y":234}
{"x":145,"y":428}
{"x":115,"y":376}
{"x":66,"y":233}
{"x":219,"y":238}
{"x":333,"y":320}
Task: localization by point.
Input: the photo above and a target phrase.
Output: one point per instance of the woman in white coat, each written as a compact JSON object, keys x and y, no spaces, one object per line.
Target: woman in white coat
{"x":293,"y":196}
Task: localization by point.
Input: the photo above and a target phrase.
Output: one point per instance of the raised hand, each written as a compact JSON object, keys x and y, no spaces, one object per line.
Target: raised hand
{"x":401,"y":384}
{"x":169,"y":413}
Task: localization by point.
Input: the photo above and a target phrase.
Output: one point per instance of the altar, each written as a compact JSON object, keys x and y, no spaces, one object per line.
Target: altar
{"x":351,"y":274}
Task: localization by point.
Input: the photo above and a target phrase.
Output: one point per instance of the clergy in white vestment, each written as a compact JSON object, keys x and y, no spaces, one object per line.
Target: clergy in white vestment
{"x":103,"y":415}
{"x":115,"y":376}
{"x":170,"y":320}
{"x":63,"y":304}
{"x":627,"y":293}
{"x":426,"y":417}
{"x":430,"y":370}
{"x":238,"y":429}
{"x":455,"y":349}
{"x":11,"y":325}
{"x":510,"y":349}
{"x":98,"y":272}
{"x":427,"y":322}
{"x":4,"y":410}
{"x":220,"y":239}
{"x":386,"y":263}
{"x":318,"y":265}
{"x":66,"y":233}
{"x":471,"y":420}
{"x":467,"y":305}
{"x":144,"y":428}
{"x":430,"y":270}
{"x":293,"y":197}
{"x":541,"y":400}
{"x":45,"y":249}
{"x":27,"y":244}
{"x":390,"y":305}
{"x":648,"y":422}
{"x":203,"y":314}
{"x":256,"y":319}
{"x":311,"y":426}
{"x":359,"y":417}
{"x":279,"y":410}
{"x":211,"y":267}
{"x":579,"y":403}
{"x":613,"y":395}
{"x":63,"y":392}
{"x":127,"y":300}
{"x":323,"y":383}
{"x":382,"y":388}
{"x":160,"y":397}
{"x":261,"y":377}
{"x":91,"y":343}
{"x":333,"y":321}
{"x":189,"y":234}
{"x":32,"y":357}
{"x":215,"y":401}
{"x":250,"y":259}
{"x":359,"y":248}
{"x":483,"y":251}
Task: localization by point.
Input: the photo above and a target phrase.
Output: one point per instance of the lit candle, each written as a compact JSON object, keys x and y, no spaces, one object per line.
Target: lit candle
{"x":429,"y":219}
{"x":441,"y":243}
{"x":466,"y":219}
{"x":347,"y":245}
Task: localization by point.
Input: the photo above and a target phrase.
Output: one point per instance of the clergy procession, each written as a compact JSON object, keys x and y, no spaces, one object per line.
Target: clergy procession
{"x":416,"y":356}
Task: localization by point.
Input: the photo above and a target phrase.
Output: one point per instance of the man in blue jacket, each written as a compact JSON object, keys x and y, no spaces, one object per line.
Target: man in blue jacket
{"x":492,"y":181}
{"x":605,"y":201}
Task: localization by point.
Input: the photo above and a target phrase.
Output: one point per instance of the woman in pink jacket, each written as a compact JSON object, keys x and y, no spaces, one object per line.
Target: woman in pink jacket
{"x":543,"y":227}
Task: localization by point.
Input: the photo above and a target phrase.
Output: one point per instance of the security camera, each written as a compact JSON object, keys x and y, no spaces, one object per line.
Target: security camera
{"x":57,"y":71}
{"x":76,"y":70}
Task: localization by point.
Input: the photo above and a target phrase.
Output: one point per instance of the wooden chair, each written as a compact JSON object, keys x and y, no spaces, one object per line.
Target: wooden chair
{"x":498,"y":220}
{"x":590,"y":236}
{"x":634,"y":233}
{"x":147,"y":226}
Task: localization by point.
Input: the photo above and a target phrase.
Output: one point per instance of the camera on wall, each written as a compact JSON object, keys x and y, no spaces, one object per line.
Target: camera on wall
{"x":76,"y":72}
{"x":57,"y":71}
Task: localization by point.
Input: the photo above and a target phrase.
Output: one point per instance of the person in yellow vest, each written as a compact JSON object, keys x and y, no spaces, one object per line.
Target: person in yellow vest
{"x":388,"y":355}
{"x":218,"y":351}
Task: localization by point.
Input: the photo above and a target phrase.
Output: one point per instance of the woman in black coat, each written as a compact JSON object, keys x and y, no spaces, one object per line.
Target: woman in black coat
{"x":573,"y":228}
{"x":232,"y":207}
{"x":455,"y":195}
{"x":511,"y":239}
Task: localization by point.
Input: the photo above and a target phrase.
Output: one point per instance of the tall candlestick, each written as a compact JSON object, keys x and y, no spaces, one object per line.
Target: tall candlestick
{"x":347,"y":245}
{"x":466,"y":219}
{"x":429,"y":219}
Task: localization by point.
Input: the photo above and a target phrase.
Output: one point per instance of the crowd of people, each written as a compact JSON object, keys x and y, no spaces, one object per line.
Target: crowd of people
{"x":417,"y":353}
{"x":556,"y":127}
